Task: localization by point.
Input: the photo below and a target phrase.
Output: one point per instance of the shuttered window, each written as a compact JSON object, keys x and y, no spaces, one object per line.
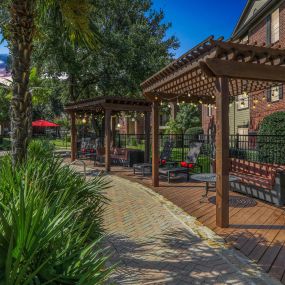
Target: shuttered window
{"x":275,"y":26}
{"x":275,"y":93}
{"x":242,"y":102}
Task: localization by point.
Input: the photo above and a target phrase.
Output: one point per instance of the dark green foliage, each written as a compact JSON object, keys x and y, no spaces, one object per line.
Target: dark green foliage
{"x":271,"y":146}
{"x":48,"y":216}
{"x":187,"y":117}
{"x":195,"y":131}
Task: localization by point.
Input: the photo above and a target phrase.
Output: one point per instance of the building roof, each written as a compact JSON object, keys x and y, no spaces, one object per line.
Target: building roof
{"x":253,"y":11}
{"x":192,"y":77}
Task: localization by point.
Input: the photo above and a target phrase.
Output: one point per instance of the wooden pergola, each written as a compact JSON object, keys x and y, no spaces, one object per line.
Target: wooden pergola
{"x":108,"y":106}
{"x":209,"y":74}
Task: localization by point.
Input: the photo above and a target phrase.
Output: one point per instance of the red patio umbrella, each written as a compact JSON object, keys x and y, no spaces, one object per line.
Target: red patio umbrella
{"x":44,"y":124}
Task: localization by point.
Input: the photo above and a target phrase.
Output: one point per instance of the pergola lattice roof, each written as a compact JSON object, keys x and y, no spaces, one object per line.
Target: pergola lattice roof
{"x":116,"y":104}
{"x":192,"y":77}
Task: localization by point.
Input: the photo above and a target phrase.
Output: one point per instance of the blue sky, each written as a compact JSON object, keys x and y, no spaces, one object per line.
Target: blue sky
{"x":194,"y":20}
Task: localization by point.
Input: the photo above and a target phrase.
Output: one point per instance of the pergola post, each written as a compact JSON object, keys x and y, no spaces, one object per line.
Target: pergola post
{"x":155,"y":144}
{"x":113,"y":119}
{"x":73,"y":136}
{"x":147,"y":137}
{"x":222,"y":152}
{"x":107,"y":139}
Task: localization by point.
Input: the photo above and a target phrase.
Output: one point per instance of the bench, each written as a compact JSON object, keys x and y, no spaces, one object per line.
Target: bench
{"x":260,"y":180}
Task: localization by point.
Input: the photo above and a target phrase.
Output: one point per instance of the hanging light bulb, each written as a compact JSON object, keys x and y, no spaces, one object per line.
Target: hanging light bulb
{"x":178,"y":104}
{"x":255,"y":101}
{"x":213,"y":97}
{"x":169,"y":106}
{"x":84,"y":121}
{"x":264,"y":97}
{"x":161,"y":103}
{"x":133,"y":119}
{"x":189,"y":95}
{"x":156,"y":98}
{"x":119,"y":125}
{"x":215,"y":107}
{"x":253,"y":107}
{"x":268,"y":105}
{"x":183,"y":102}
{"x":200,"y":101}
{"x":203,"y":77}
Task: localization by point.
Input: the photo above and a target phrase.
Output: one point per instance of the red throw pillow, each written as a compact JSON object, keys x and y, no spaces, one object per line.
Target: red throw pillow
{"x":83,"y":150}
{"x":163,"y":161}
{"x":186,"y":164}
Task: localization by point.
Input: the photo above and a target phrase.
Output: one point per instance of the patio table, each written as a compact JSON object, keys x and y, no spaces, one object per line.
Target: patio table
{"x":210,"y":178}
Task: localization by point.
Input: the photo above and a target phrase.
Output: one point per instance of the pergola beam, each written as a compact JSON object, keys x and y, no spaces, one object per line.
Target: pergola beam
{"x":249,"y":71}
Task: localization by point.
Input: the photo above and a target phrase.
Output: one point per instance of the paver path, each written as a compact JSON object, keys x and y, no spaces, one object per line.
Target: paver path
{"x":154,"y":242}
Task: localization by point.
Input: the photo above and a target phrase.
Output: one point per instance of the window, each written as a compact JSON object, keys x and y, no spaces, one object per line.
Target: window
{"x":245,"y":40}
{"x":242,"y":102}
{"x":210,"y":111}
{"x":275,"y":93}
{"x":273,"y":27}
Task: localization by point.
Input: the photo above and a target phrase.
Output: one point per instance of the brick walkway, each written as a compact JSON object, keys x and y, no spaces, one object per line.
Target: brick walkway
{"x":154,"y":242}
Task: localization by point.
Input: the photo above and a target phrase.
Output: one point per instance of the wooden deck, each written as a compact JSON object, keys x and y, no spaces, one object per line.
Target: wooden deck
{"x":256,"y":229}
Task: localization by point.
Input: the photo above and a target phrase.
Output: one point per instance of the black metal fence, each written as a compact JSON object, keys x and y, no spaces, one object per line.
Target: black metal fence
{"x":258,"y":148}
{"x":181,"y":146}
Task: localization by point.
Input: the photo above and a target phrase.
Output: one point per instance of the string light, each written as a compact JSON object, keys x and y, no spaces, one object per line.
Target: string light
{"x":119,"y":125}
{"x":161,"y":103}
{"x":169,"y":106}
{"x":268,"y":105}
{"x":203,"y":77}
{"x":156,"y":98}
{"x":200,"y":101}
{"x":253,"y":107}
{"x":189,"y":95}
{"x":183,"y":102}
{"x":255,"y":101}
{"x":84,"y":121}
{"x":263,"y":97}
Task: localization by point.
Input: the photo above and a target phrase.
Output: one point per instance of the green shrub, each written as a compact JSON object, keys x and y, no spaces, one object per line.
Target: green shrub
{"x":270,"y":145}
{"x":48,"y":214}
{"x":195,"y":132}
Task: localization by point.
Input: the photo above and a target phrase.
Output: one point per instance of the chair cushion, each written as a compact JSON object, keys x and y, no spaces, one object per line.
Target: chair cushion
{"x":255,"y":180}
{"x":186,"y":164}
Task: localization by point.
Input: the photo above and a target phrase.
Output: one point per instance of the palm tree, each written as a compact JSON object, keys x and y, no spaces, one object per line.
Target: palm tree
{"x":25,"y":18}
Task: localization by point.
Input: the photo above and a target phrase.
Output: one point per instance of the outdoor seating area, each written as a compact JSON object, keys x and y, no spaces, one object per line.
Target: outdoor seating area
{"x":256,"y":228}
{"x":260,"y":180}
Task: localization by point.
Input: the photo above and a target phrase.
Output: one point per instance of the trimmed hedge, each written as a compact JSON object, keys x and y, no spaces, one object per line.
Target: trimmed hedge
{"x":196,"y":131}
{"x":270,"y":142}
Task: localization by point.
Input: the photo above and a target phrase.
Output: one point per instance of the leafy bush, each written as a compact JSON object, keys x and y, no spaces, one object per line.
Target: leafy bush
{"x":48,"y":214}
{"x":270,"y":144}
{"x":195,"y":132}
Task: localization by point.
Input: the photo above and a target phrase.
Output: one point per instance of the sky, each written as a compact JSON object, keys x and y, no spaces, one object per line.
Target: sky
{"x":195,"y":20}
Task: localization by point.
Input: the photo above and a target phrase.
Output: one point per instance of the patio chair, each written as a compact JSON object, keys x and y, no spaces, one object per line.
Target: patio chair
{"x":163,"y":161}
{"x":186,"y":166}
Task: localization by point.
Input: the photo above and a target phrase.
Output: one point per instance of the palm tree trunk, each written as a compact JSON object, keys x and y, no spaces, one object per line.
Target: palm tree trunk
{"x":21,"y":37}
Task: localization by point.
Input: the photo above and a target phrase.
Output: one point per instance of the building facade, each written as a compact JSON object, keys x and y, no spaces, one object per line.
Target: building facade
{"x":261,"y":23}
